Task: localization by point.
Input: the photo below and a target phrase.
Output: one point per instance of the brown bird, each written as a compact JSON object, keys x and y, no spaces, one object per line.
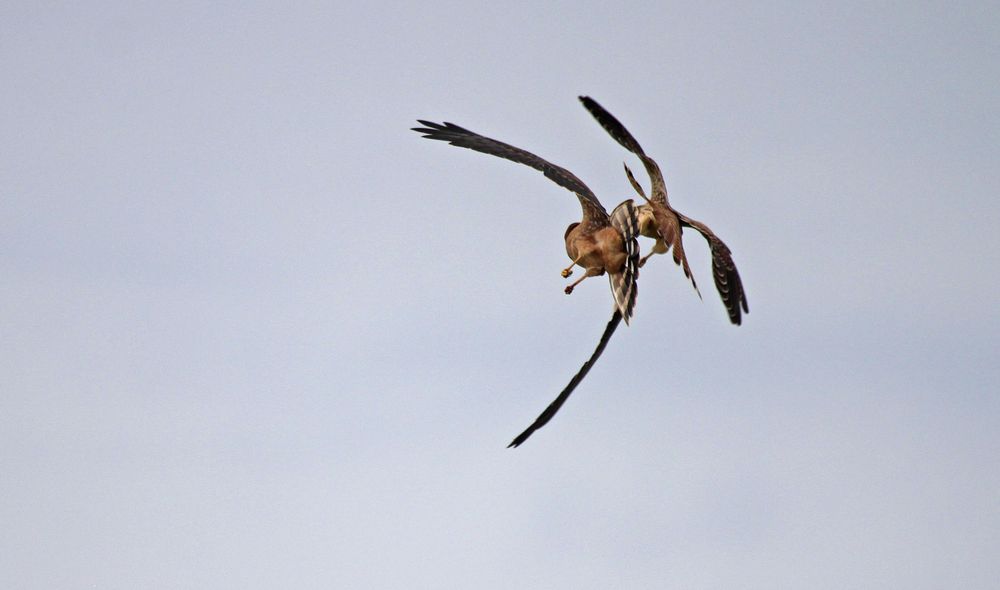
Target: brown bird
{"x":658,"y":220}
{"x":599,"y":243}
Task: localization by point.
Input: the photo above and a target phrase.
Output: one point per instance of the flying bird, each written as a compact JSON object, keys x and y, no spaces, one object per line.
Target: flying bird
{"x":660,"y":221}
{"x":599,"y":243}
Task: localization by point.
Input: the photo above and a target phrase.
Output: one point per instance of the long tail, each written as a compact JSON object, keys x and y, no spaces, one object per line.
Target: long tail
{"x":550,"y":411}
{"x":623,"y":284}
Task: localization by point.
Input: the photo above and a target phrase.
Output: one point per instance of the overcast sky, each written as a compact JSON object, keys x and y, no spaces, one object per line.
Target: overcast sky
{"x":256,"y":333}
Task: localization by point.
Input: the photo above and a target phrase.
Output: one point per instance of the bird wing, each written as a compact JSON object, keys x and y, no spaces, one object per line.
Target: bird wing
{"x":620,"y":134}
{"x":593,"y":211}
{"x":551,"y":410}
{"x":727,"y":278}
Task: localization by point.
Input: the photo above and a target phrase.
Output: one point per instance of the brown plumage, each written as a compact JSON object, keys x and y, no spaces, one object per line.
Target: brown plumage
{"x":599,"y":243}
{"x":658,"y":220}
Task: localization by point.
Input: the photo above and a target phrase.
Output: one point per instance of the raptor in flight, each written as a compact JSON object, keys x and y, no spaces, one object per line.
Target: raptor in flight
{"x":660,"y":221}
{"x":599,"y":243}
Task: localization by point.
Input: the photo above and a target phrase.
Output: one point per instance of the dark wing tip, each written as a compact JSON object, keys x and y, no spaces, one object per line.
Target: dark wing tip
{"x":445,"y":132}
{"x":542,"y":420}
{"x":431,"y":124}
{"x":614,"y":127}
{"x":594,"y":107}
{"x":520,"y":438}
{"x":429,"y":130}
{"x":553,"y":408}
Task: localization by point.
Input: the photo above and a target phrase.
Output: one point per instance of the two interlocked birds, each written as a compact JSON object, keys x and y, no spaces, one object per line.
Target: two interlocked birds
{"x":607,"y":244}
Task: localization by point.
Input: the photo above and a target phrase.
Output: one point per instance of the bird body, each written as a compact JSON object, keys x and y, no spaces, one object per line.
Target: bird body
{"x":599,"y":243}
{"x":658,"y":220}
{"x":601,"y":249}
{"x":606,"y":244}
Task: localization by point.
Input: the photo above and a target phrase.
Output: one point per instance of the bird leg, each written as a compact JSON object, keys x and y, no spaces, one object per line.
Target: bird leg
{"x":659,"y":247}
{"x":591,"y":272}
{"x":569,"y":269}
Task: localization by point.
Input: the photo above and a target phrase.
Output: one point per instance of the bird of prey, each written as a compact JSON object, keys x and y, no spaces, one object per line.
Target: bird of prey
{"x":658,"y":220}
{"x":599,"y":243}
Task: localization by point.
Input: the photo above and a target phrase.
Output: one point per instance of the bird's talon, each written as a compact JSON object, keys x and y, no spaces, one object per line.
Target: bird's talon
{"x":569,"y":289}
{"x":566,"y":272}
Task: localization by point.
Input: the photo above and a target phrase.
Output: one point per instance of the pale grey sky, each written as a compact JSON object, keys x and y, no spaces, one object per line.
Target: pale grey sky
{"x":255,"y":333}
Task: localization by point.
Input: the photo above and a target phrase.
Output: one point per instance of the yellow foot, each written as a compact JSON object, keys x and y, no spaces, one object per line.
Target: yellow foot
{"x":566,"y":272}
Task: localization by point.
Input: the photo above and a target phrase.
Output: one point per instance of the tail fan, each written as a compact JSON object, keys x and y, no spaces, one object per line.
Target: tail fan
{"x":623,"y":283}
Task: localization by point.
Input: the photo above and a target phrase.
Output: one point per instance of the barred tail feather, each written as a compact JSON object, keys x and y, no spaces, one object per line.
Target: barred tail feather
{"x":623,"y":284}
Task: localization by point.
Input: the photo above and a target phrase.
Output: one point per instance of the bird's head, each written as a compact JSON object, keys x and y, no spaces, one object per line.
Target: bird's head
{"x":647,"y":220}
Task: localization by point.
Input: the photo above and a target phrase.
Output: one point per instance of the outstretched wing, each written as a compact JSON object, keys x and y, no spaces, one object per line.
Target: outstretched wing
{"x":620,"y":134}
{"x":727,"y":278}
{"x":550,"y":411}
{"x":458,"y":136}
{"x":623,"y":284}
